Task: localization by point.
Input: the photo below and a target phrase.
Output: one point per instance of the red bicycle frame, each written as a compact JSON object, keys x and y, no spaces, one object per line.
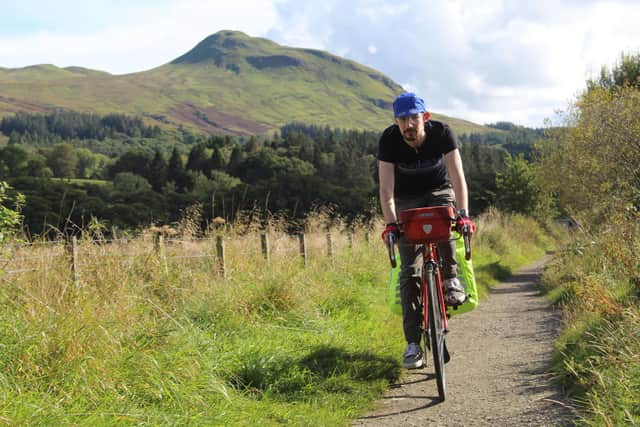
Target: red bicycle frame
{"x":429,"y":226}
{"x":431,"y":263}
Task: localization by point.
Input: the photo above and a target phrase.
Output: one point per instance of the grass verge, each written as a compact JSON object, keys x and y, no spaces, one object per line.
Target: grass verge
{"x":143,"y":342}
{"x":595,"y":281}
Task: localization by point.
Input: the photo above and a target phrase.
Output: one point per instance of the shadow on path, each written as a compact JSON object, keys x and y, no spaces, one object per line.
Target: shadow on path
{"x":432,"y":402}
{"x":500,"y":372}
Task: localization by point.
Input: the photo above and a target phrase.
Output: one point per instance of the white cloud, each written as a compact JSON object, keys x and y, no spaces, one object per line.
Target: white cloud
{"x":148,"y":35}
{"x":482,"y":61}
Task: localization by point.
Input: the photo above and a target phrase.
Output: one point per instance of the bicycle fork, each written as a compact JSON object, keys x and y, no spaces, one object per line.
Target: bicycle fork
{"x":429,"y":268}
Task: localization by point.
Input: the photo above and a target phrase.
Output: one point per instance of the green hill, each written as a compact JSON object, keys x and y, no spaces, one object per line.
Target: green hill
{"x":229,"y":83}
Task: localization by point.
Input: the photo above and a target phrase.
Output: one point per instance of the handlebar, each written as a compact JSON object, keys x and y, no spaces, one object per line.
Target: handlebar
{"x":466,"y":235}
{"x":467,"y":242}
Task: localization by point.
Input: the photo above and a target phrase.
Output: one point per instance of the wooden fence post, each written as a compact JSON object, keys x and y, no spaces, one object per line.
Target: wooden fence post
{"x":74,"y":261}
{"x":222,"y":269}
{"x":156,"y":243}
{"x":329,"y":245}
{"x":264,"y":237}
{"x":159,"y":248}
{"x":303,"y":248}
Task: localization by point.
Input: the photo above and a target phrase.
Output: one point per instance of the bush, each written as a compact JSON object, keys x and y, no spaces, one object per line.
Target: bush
{"x":10,"y":218}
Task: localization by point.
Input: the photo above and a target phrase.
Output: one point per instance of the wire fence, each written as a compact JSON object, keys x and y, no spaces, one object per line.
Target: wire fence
{"x":27,"y":257}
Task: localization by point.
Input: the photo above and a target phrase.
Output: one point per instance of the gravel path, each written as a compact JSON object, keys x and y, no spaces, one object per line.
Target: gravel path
{"x":499,"y":373}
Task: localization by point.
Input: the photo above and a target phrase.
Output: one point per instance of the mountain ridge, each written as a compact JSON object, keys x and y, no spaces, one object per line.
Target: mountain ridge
{"x":229,"y":83}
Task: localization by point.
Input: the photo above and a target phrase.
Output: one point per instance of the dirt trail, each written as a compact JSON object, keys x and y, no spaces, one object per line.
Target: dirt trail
{"x":499,"y":373}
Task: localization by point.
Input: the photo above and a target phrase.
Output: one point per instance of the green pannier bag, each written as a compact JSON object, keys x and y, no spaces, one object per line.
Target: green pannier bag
{"x":468,"y":280}
{"x":393,"y":297}
{"x":465,"y":275}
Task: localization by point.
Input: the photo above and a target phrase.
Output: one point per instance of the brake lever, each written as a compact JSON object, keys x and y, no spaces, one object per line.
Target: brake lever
{"x":390,"y":246}
{"x":467,"y":242}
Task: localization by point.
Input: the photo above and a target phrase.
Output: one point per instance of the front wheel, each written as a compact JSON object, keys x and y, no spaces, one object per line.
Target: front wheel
{"x":436,"y":330}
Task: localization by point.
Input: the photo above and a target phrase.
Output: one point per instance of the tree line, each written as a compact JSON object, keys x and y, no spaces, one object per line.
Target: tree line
{"x":296,"y":170}
{"x":68,"y":125}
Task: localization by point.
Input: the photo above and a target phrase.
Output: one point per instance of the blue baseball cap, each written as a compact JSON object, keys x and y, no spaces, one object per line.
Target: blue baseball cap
{"x":408,"y":104}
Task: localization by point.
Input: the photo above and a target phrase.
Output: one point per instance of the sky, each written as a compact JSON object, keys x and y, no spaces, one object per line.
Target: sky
{"x":483,"y":61}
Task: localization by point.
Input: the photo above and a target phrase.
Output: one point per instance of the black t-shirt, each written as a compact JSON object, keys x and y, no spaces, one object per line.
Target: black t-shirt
{"x":420,"y":171}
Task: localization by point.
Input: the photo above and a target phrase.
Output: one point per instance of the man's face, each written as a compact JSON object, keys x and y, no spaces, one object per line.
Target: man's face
{"x":412,"y":128}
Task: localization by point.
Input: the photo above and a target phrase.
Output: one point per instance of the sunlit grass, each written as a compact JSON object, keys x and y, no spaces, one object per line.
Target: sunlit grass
{"x":161,"y":337}
{"x":506,"y":242}
{"x":595,"y":281}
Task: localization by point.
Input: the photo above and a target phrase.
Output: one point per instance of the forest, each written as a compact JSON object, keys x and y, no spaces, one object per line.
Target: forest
{"x":78,"y":168}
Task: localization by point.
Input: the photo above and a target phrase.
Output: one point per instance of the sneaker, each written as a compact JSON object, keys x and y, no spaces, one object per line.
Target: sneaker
{"x":454,"y":292}
{"x":412,"y":357}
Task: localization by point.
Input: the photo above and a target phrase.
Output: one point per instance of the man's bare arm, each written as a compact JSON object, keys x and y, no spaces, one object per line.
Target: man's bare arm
{"x":456,"y":173}
{"x":387,"y":182}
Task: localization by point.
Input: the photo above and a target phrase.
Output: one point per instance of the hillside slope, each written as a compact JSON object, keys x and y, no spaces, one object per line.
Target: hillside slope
{"x":229,"y":83}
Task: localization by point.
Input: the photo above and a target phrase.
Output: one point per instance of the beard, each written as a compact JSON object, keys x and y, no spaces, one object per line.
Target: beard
{"x":413,"y":137}
{"x":410,"y":135}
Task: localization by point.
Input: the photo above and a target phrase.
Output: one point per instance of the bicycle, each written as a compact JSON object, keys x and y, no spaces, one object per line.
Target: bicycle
{"x":428,"y":226}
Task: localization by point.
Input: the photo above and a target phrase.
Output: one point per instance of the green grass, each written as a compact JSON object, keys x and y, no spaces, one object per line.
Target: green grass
{"x":598,"y":359}
{"x":595,"y":281}
{"x":135,"y":344}
{"x":272,"y":346}
{"x":505,"y":243}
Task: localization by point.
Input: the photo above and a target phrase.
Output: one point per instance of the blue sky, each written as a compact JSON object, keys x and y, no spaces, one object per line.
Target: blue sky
{"x":484,"y":61}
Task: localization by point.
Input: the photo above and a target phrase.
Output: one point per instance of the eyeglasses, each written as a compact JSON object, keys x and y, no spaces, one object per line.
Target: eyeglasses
{"x":411,"y":118}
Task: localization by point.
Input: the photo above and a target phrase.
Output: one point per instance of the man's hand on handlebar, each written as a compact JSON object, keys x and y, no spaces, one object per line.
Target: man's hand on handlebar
{"x":390,"y":236}
{"x":391,"y":229}
{"x":464,"y":225}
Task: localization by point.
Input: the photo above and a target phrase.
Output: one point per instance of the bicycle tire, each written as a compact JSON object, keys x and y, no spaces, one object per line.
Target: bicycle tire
{"x":436,"y":330}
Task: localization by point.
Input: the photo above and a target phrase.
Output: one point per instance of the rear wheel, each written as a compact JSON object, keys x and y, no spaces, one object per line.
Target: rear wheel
{"x":436,"y":330}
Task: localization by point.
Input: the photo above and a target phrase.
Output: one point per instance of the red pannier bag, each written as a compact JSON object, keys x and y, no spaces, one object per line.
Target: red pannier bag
{"x":432,"y":224}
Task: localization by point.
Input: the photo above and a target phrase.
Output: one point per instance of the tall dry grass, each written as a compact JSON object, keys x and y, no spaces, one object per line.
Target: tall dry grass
{"x":148,"y":334}
{"x":595,"y":282}
{"x":161,"y":337}
{"x":508,"y":241}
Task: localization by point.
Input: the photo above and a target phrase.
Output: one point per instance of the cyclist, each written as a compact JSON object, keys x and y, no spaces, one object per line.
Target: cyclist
{"x":419,"y":165}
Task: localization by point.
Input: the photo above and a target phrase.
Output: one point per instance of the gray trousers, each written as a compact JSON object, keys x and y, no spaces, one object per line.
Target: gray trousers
{"x":411,"y":262}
